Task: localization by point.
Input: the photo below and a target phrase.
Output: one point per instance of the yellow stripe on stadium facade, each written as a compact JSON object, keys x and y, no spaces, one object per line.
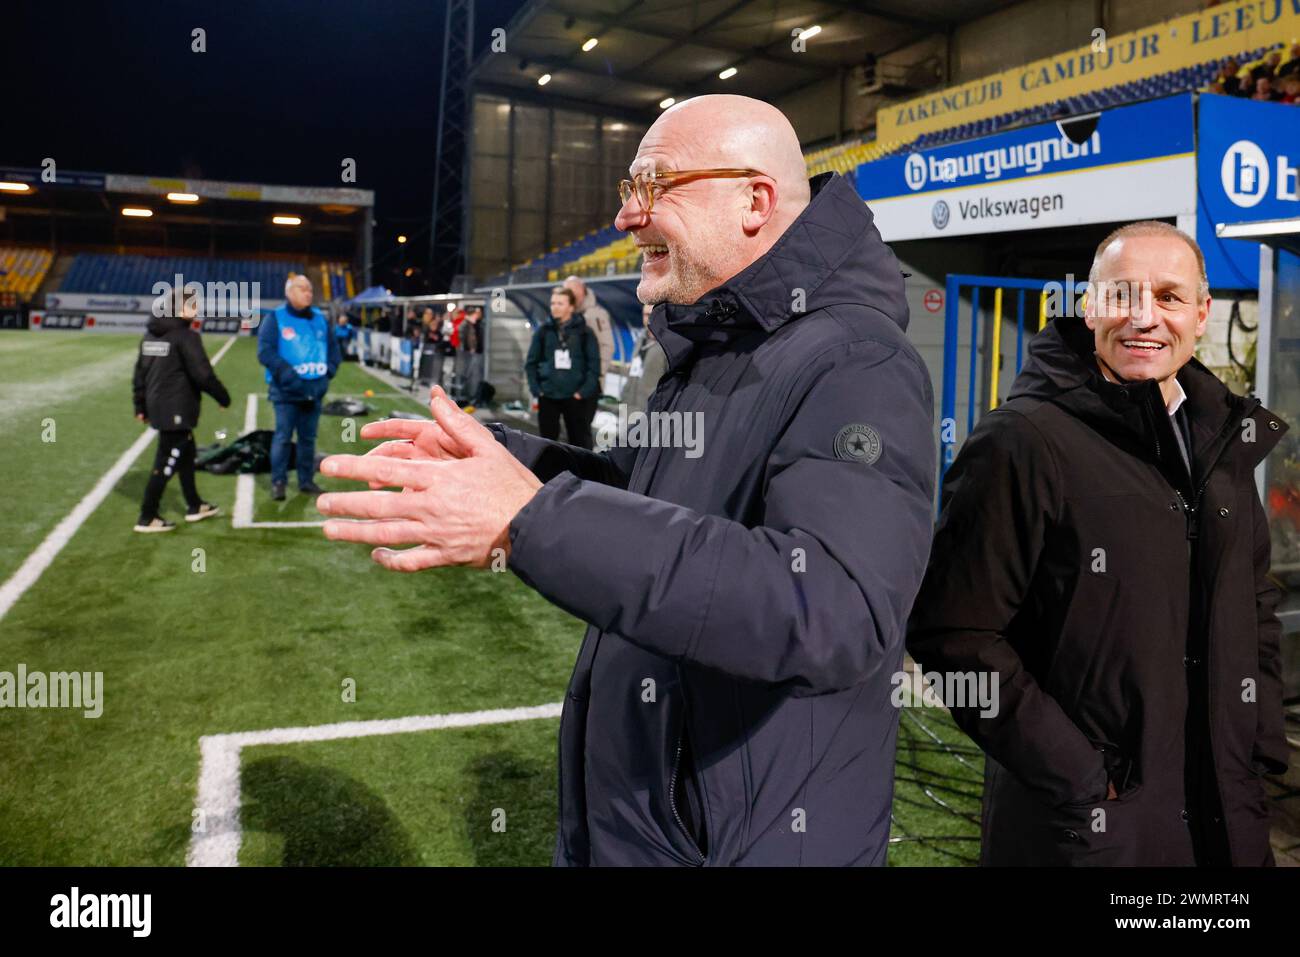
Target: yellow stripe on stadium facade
{"x":1189,"y":40}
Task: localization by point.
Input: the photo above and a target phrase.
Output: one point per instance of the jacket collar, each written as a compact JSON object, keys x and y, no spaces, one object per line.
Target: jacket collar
{"x":1062,"y":369}
{"x":159,"y":326}
{"x":576,"y":323}
{"x":831,"y":252}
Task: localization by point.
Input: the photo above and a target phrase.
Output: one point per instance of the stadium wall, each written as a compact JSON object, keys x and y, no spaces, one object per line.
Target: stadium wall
{"x":541,"y":176}
{"x":1040,"y":28}
{"x":835,"y":108}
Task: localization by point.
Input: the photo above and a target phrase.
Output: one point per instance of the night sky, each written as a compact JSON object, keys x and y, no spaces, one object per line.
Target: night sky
{"x":285,"y":91}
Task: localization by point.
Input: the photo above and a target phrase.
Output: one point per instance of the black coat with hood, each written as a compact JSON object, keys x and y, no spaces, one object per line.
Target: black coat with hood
{"x":1124,"y":607}
{"x":171,"y":371}
{"x":747,"y":604}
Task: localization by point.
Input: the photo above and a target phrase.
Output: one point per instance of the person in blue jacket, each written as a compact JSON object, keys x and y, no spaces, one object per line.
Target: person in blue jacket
{"x":301,"y":356}
{"x":746,"y":592}
{"x":345,"y":333}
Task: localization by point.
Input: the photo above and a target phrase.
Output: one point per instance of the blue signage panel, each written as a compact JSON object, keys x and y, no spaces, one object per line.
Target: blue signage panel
{"x":1127,"y":134}
{"x":1245,"y":170}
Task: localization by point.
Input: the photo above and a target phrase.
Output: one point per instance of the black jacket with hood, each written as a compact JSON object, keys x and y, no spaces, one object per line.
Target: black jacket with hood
{"x":747,"y":605}
{"x":1125,"y":609}
{"x":171,"y":371}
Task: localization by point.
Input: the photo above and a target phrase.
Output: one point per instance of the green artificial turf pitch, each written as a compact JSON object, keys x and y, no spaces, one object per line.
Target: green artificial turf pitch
{"x":267,"y":636}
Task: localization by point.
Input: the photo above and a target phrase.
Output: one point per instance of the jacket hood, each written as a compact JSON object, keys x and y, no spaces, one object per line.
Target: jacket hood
{"x":159,"y":326}
{"x":576,"y":321}
{"x":832,"y":252}
{"x":1062,"y":369}
{"x":1060,"y":361}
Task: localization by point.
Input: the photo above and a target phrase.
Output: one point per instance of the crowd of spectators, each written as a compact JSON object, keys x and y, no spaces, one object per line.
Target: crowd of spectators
{"x":450,"y":344}
{"x":1274,"y":79}
{"x":571,"y":353}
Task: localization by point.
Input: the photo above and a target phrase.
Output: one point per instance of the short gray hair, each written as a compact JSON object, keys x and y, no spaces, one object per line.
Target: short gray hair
{"x":1153,"y":227}
{"x":293,"y":278}
{"x":576,"y":281}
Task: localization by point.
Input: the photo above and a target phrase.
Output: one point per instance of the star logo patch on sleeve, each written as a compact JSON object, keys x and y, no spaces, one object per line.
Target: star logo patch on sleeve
{"x":858,"y":442}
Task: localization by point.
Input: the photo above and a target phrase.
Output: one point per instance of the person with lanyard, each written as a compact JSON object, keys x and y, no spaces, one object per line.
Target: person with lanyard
{"x":563,"y":369}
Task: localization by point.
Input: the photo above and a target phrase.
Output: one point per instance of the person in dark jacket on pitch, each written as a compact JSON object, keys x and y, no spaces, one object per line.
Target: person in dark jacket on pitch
{"x":563,"y":369}
{"x":746,"y":586}
{"x":170,"y":373}
{"x":1103,"y":558}
{"x":301,"y":357}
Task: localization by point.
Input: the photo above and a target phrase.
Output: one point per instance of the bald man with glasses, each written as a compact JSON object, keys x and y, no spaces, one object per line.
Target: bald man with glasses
{"x":745,"y":573}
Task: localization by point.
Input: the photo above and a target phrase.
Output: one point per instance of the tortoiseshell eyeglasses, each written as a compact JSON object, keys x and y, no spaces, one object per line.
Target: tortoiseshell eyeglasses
{"x":646,"y":187}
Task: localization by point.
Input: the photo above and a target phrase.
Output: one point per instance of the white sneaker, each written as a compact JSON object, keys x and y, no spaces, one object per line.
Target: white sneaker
{"x":205,"y":510}
{"x":158,"y":524}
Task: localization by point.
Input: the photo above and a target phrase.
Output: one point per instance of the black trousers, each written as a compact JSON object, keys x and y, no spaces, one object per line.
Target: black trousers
{"x":577,"y":420}
{"x":175,"y":454}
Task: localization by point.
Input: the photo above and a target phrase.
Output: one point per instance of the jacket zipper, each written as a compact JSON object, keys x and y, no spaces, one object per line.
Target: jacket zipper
{"x":672,"y":800}
{"x":1190,"y":512}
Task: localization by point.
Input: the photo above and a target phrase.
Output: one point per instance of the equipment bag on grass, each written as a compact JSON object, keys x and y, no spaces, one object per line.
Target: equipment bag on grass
{"x":250,"y":453}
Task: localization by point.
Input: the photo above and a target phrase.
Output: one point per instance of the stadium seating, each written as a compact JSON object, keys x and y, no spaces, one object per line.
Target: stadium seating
{"x":336,"y":281}
{"x":136,"y":275}
{"x":846,"y":157}
{"x":594,"y":250}
{"x":617,"y":257}
{"x":23,"y":269}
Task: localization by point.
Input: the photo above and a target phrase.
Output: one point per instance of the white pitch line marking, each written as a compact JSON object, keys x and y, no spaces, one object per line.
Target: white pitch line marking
{"x":35,"y":564}
{"x":916,"y":679}
{"x":217,"y":845}
{"x":224,"y":349}
{"x":282,"y":525}
{"x":243,"y":514}
{"x":245,"y":485}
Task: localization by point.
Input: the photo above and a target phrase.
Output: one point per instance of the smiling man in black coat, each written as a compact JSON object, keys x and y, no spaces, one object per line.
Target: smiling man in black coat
{"x":1104,"y":555}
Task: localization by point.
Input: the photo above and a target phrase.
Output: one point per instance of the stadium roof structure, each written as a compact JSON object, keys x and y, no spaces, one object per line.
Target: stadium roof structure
{"x":181,"y":215}
{"x":648,"y":51}
{"x":35,"y":178}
